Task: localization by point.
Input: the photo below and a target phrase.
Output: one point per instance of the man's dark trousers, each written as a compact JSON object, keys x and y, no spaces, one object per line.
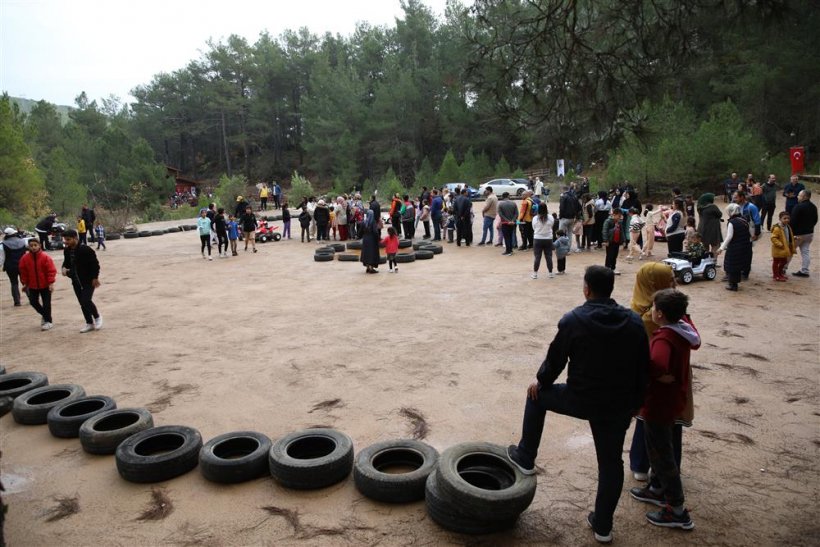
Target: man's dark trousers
{"x":608,"y":432}
{"x":84,"y":295}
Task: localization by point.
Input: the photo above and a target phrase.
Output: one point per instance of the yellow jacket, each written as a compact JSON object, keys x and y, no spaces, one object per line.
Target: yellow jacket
{"x":526,"y":210}
{"x":781,"y":247}
{"x":81,"y":226}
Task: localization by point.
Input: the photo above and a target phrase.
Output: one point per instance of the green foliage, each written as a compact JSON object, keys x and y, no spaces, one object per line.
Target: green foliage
{"x":300,"y":188}
{"x":156,"y":212}
{"x":22,"y":188}
{"x":449,"y":170}
{"x":502,"y":168}
{"x":671,"y":148}
{"x":66,"y":194}
{"x":228,"y":189}
{"x":468,"y":168}
{"x":390,"y":185}
{"x":483,"y":168}
{"x":519,"y":173}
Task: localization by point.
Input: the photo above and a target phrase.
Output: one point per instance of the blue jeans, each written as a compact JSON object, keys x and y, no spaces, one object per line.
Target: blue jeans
{"x":487,"y":228}
{"x":608,"y":433}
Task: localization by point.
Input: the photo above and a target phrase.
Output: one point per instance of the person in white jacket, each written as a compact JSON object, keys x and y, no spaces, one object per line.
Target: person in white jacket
{"x":542,"y":225}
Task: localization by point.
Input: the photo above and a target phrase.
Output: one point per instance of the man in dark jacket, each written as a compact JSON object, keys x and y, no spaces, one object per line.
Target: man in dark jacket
{"x":43,"y":230}
{"x":81,"y":265}
{"x":464,"y":221}
{"x":608,"y":354}
{"x":768,"y":199}
{"x":804,"y":219}
{"x":11,"y":251}
{"x":88,"y":215}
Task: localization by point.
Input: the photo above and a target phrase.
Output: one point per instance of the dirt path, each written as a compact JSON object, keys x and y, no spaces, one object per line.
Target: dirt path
{"x":257,"y":341}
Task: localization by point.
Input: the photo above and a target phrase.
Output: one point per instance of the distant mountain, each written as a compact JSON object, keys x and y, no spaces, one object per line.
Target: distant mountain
{"x":27,"y":104}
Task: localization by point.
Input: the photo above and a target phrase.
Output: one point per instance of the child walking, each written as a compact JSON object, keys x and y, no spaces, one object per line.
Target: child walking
{"x":612,"y":235}
{"x":667,"y":398}
{"x":562,"y":245}
{"x":203,"y":224}
{"x":233,"y":233}
{"x":783,"y":246}
{"x":221,"y":229}
{"x":650,"y":218}
{"x":100,"y":231}
{"x":635,"y":228}
{"x":391,"y":247}
{"x":82,"y":230}
{"x":249,"y":226}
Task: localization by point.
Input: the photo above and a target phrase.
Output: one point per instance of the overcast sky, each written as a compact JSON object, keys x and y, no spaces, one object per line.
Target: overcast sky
{"x":54,"y":49}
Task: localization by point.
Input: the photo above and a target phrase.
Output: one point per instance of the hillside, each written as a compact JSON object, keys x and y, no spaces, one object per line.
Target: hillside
{"x":27,"y":104}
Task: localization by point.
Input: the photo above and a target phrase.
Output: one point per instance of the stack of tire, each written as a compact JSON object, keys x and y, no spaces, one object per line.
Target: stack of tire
{"x":324,"y":254}
{"x":475,"y":489}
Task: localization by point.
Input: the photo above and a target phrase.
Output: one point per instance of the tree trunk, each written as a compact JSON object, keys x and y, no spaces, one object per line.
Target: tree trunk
{"x":225,"y":143}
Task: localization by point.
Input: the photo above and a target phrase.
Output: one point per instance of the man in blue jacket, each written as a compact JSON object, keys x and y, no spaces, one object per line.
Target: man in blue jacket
{"x":607,"y":350}
{"x":435,"y":214}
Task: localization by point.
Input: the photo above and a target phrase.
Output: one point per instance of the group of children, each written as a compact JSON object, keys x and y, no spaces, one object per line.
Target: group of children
{"x":212,"y":224}
{"x":99,"y":233}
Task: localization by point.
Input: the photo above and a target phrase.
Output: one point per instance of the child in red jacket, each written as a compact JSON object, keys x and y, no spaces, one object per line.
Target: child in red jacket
{"x":38,"y":273}
{"x":669,"y":383}
{"x":391,"y":247}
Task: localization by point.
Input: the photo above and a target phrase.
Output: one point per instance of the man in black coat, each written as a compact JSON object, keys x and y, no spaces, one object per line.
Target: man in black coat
{"x":43,"y":230}
{"x":89,"y":217}
{"x":804,"y":219}
{"x":608,"y":354}
{"x":463,"y":208}
{"x":81,"y":265}
{"x":11,"y":251}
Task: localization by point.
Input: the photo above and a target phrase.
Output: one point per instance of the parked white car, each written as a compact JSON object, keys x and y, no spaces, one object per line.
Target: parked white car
{"x":499,"y":186}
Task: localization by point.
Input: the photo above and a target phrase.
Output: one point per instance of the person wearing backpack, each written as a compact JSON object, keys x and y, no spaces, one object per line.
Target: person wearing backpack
{"x":636,"y":225}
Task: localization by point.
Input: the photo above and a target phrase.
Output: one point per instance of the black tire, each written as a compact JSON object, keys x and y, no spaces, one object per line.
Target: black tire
{"x":235,"y":457}
{"x":435,"y":249}
{"x":485,"y":483}
{"x":275,"y":217}
{"x":354,"y":245}
{"x":65,"y":419}
{"x":112,"y":237}
{"x":157,"y":232}
{"x":338,"y":247}
{"x":686,"y":276}
{"x":519,"y":192}
{"x":130,"y":235}
{"x":32,"y":407}
{"x":348,"y":258}
{"x":145,"y":233}
{"x":372,"y":480}
{"x":6,"y":404}
{"x":405,"y":258}
{"x":2,"y":369}
{"x":173,"y":229}
{"x":323,"y":257}
{"x":278,"y":237}
{"x":710,"y":273}
{"x":382,"y":260}
{"x":158,"y":454}
{"x":326,"y":249}
{"x":311,"y":458}
{"x":263,"y":238}
{"x":103,"y":433}
{"x":417,"y":246}
{"x":449,"y":515}
{"x":405,"y":243}
{"x":423,"y":255}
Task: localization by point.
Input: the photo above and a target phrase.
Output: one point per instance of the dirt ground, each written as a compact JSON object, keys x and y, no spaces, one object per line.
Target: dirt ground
{"x":258,"y":341}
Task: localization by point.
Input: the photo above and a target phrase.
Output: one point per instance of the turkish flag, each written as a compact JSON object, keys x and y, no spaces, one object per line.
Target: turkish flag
{"x":797,"y":154}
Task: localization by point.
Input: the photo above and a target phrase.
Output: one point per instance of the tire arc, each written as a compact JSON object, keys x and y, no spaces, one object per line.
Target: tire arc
{"x":27,"y":413}
{"x":389,"y":487}
{"x":134,"y":467}
{"x":103,"y":442}
{"x":15,"y":384}
{"x":68,"y":426}
{"x":447,"y":514}
{"x":313,"y":473}
{"x":233,"y":470}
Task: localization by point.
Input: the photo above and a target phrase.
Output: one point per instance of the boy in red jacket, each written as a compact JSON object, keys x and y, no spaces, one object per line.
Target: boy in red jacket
{"x":666,"y":397}
{"x":38,"y":273}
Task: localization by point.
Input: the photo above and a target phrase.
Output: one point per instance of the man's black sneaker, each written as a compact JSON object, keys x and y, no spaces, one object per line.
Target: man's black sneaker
{"x":668,"y":519}
{"x":517,"y":460}
{"x":600,"y":538}
{"x":646,"y":495}
{"x":800,"y":274}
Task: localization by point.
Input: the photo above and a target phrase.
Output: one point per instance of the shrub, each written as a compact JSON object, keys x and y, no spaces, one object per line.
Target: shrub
{"x":300,"y":188}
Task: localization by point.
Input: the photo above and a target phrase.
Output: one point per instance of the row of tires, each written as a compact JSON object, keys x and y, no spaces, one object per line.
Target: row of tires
{"x":421,"y":252}
{"x":470,"y":488}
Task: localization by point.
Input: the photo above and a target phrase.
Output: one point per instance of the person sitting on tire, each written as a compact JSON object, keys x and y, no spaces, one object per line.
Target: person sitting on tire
{"x":605,"y":386}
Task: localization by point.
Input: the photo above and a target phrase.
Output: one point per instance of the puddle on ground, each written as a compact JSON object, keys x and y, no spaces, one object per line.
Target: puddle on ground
{"x":14,"y":483}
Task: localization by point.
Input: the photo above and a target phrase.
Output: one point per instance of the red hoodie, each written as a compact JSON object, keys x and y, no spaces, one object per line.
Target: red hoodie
{"x":391,"y":244}
{"x":669,"y":351}
{"x":37,"y":270}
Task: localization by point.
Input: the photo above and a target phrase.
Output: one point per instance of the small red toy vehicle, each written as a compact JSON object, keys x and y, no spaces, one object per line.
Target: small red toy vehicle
{"x":265,"y":233}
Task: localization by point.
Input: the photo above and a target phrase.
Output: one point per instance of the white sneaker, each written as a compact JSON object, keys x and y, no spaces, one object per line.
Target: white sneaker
{"x":534,"y":275}
{"x":210,"y":257}
{"x":87,"y":328}
{"x":616,"y":272}
{"x":98,"y":322}
{"x":551,"y":275}
{"x":46,"y":326}
{"x":562,"y":273}
{"x":391,"y":270}
{"x":577,"y":250}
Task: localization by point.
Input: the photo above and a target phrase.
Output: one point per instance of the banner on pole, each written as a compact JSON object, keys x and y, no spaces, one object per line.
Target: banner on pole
{"x":797,"y":155}
{"x":559,"y":169}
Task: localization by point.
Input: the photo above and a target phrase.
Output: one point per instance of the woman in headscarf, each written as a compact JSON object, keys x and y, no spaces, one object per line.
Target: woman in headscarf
{"x":651,"y":278}
{"x":738,"y":247}
{"x":710,"y":217}
{"x":602,"y":208}
{"x":371,"y":230}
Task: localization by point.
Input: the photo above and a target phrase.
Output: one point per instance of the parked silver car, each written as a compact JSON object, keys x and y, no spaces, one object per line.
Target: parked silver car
{"x":500,"y":186}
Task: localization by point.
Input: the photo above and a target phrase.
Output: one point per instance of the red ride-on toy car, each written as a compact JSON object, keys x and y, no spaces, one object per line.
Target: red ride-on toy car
{"x":265,"y":233}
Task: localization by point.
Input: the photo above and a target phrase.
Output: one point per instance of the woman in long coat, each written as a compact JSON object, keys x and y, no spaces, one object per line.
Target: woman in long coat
{"x":709,"y":219}
{"x":370,"y":242}
{"x":738,"y":247}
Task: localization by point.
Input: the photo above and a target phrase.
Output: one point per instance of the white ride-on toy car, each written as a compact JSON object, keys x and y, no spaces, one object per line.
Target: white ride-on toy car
{"x":686,"y":270}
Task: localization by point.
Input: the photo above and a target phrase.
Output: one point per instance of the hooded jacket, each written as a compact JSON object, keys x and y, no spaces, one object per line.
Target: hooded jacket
{"x":669,"y":352}
{"x":37,"y":270}
{"x":608,"y":354}
{"x":13,"y":247}
{"x":82,"y":264}
{"x":321,"y":214}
